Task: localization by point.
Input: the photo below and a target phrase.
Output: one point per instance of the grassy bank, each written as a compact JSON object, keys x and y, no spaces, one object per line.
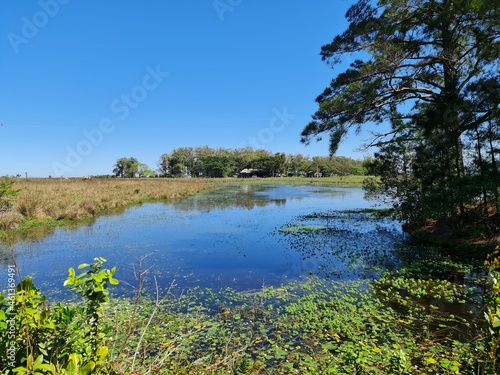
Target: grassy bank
{"x":52,"y":202}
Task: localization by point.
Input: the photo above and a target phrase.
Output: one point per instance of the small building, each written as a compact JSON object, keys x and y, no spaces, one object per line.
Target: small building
{"x":248,"y":173}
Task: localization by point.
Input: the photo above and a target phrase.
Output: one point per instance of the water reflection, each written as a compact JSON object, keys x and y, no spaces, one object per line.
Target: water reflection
{"x":243,"y":196}
{"x":229,"y":237}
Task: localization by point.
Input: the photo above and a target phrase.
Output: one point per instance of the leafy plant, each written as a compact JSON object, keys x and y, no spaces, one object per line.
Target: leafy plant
{"x":92,"y":285}
{"x":7,"y":193}
{"x":59,"y":339}
{"x":492,"y":313}
{"x":400,"y":324}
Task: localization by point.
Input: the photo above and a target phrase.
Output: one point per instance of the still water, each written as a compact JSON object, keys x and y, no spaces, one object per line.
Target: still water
{"x":241,"y":236}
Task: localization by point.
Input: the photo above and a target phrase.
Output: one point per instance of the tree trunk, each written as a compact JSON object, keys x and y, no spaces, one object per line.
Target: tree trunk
{"x":493,"y":165}
{"x":481,"y":171}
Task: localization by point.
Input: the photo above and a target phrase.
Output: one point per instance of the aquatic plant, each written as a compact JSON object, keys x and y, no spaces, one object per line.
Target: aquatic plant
{"x":402,"y":323}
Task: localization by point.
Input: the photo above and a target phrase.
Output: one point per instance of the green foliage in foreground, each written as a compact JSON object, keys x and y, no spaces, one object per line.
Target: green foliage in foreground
{"x":493,"y":305}
{"x":402,"y":323}
{"x":36,"y":338}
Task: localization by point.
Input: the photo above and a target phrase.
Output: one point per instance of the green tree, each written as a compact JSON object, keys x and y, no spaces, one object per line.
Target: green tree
{"x":242,"y":158}
{"x":218,"y":166}
{"x":164,"y":165}
{"x":126,"y":167}
{"x":281,"y":163}
{"x":143,"y":170}
{"x":294,"y":164}
{"x":371,"y":165}
{"x":321,"y":166}
{"x":182,"y":162}
{"x":266,"y":163}
{"x":200,"y":156}
{"x":418,"y":63}
{"x":397,"y":185}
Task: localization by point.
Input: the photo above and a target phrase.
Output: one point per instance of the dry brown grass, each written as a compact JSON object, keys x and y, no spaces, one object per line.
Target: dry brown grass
{"x":75,"y":199}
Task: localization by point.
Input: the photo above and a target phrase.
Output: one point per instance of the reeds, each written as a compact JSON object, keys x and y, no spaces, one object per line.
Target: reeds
{"x":75,"y":199}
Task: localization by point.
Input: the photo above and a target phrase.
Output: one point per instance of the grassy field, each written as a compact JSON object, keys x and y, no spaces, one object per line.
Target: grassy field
{"x":61,"y":201}
{"x":49,"y":200}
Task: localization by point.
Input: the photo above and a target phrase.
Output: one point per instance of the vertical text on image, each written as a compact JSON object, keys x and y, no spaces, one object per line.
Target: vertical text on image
{"x":10,"y":313}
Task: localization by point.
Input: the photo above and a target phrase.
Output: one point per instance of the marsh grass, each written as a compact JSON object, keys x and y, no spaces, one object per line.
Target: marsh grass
{"x":48,"y":200}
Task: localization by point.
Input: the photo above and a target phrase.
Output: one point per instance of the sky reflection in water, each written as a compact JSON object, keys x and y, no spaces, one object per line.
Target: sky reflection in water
{"x":228,"y":237}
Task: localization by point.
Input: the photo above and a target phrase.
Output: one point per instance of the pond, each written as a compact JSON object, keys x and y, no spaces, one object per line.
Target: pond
{"x":242,"y":236}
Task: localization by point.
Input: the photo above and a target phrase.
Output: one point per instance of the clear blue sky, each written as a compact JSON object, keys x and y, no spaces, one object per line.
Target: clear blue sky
{"x":83,"y":83}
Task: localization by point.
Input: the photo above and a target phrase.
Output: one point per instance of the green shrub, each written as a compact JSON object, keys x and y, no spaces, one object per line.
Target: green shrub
{"x":492,"y":313}
{"x":7,"y":194}
{"x":58,"y":339}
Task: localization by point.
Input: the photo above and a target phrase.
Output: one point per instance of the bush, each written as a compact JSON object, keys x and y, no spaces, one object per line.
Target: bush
{"x":7,"y":194}
{"x":63,"y":339}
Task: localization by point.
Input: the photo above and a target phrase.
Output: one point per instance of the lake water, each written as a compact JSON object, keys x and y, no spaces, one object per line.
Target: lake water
{"x":241,"y":236}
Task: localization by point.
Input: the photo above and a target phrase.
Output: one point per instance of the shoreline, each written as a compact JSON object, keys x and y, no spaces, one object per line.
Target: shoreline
{"x":44,"y":204}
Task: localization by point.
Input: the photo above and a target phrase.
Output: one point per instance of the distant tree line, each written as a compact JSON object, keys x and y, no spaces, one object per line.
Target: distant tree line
{"x":222,"y":162}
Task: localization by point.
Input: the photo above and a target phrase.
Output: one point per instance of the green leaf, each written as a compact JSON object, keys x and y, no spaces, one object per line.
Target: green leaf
{"x":329,"y":346}
{"x":102,"y":353}
{"x":47,"y":367}
{"x":87,"y":369}
{"x":38,"y":361}
{"x":71,"y":368}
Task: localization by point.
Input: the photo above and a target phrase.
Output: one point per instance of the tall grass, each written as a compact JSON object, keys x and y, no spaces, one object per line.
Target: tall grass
{"x":75,"y":199}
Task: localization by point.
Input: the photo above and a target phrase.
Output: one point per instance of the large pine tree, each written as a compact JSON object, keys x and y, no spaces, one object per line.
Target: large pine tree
{"x":430,"y":68}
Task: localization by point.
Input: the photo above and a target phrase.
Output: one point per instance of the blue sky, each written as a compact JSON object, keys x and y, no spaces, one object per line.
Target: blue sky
{"x":83,"y":83}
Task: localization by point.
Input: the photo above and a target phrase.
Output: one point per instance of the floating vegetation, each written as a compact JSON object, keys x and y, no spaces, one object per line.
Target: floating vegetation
{"x":303,"y":228}
{"x":345,"y":243}
{"x":311,"y":327}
